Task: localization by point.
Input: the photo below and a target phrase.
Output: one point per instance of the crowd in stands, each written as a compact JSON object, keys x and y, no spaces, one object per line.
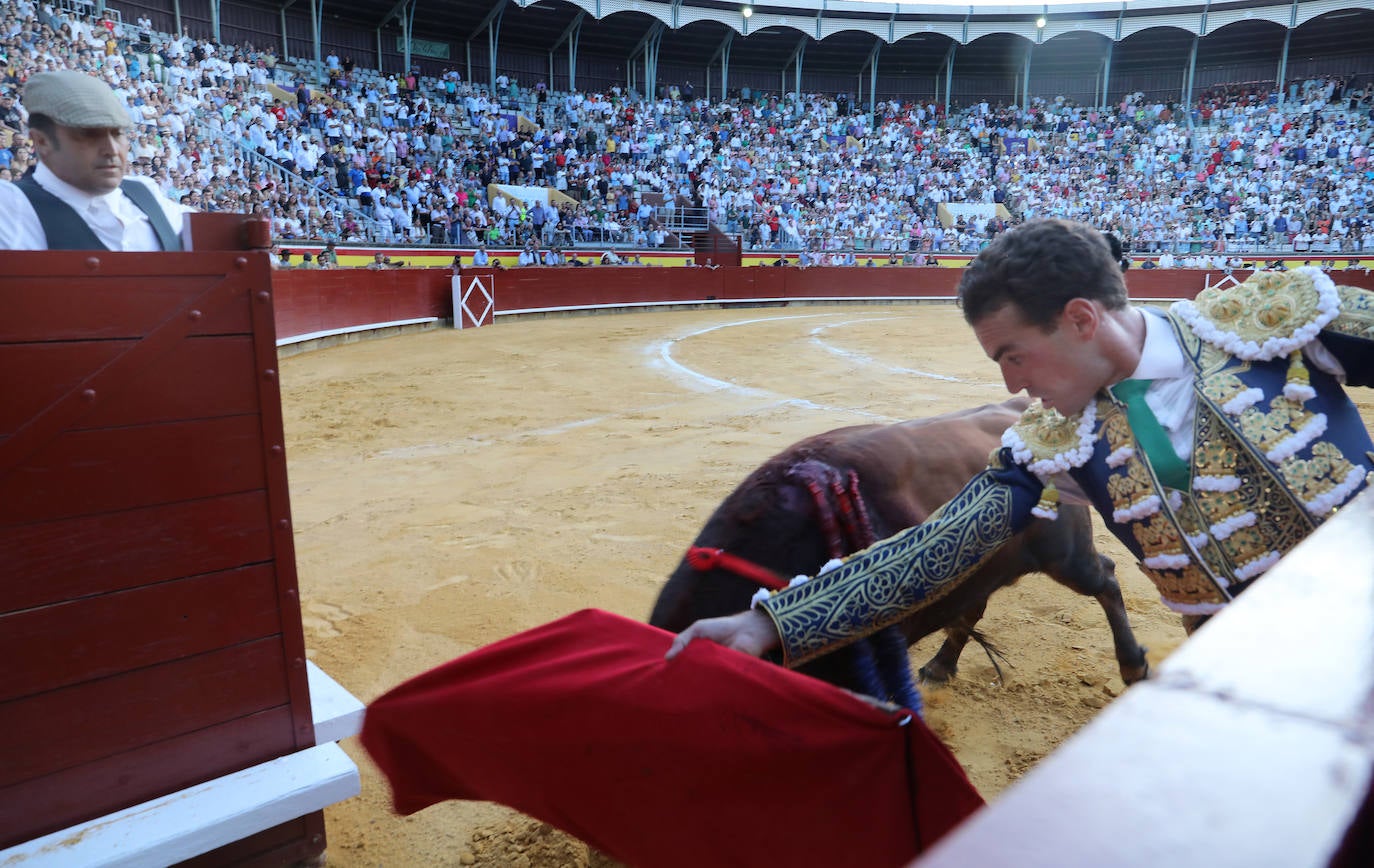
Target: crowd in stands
{"x":346,"y":154}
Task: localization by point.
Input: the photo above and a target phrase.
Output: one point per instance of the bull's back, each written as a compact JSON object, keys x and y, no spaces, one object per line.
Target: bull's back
{"x":910,"y":468}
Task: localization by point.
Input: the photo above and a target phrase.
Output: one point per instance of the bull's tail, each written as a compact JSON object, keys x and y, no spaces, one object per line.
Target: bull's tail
{"x":994,"y":653}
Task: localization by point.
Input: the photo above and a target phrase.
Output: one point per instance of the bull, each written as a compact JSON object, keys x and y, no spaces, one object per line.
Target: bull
{"x":837,"y":492}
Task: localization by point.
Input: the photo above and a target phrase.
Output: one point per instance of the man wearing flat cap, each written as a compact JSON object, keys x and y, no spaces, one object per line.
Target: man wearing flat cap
{"x":78,"y":197}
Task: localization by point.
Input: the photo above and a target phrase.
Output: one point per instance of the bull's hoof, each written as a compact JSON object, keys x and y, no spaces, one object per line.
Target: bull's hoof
{"x":1137,"y":672}
{"x":935,"y":674}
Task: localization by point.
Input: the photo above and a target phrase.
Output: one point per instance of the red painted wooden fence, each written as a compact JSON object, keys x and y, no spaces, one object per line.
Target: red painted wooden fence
{"x":149,"y":617}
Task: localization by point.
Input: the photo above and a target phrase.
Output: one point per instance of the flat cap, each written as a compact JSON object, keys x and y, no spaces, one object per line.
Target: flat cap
{"x":74,"y":99}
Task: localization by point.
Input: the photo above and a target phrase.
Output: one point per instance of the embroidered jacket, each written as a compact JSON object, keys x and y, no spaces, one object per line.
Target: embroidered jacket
{"x":1277,"y":447}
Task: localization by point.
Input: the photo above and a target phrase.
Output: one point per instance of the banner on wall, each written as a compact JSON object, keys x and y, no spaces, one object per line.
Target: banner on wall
{"x":949,"y":212}
{"x":529,"y":195}
{"x":517,"y":122}
{"x":426,"y":47}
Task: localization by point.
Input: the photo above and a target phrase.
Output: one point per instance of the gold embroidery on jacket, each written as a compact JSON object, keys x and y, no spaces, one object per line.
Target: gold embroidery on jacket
{"x":1310,"y":478}
{"x":1357,"y":313}
{"x":1266,"y":305}
{"x":1189,"y":586}
{"x":1157,"y":535}
{"x":1131,"y":485}
{"x":1267,"y":430}
{"x":1279,"y":521}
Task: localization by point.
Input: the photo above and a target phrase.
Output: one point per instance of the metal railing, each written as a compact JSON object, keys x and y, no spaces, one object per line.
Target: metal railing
{"x":294,"y":182}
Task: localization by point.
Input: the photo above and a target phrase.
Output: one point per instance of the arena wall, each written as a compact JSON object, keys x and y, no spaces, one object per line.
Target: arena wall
{"x":315,"y":302}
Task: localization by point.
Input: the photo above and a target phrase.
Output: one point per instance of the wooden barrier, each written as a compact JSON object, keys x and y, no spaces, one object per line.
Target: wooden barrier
{"x":317,"y":302}
{"x":322,"y":300}
{"x":149,"y":618}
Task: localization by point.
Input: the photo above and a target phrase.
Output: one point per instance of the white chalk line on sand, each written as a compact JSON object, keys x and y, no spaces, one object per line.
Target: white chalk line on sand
{"x":661,"y":354}
{"x":861,"y":359}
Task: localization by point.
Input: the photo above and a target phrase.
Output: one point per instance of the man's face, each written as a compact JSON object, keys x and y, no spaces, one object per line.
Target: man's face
{"x":92,"y":159}
{"x":1063,"y":367}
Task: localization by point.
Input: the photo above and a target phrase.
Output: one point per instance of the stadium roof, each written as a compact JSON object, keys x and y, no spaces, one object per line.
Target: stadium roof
{"x":838,"y":35}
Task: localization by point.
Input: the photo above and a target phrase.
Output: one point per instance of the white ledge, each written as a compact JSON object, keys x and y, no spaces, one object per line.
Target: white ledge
{"x":337,"y":713}
{"x":348,"y":330}
{"x":198,"y":819}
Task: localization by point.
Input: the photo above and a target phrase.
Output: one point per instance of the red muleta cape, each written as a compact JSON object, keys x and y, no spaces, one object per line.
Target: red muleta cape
{"x":713,"y":758}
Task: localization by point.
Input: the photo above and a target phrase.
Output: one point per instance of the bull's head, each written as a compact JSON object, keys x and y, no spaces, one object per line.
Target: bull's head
{"x":768,"y":522}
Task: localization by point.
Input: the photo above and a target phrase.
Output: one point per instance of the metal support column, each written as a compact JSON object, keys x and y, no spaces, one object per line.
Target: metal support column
{"x":648,"y":45}
{"x":871,"y":64}
{"x":408,"y":28}
{"x":1107,"y":74}
{"x":949,"y":76}
{"x":723,"y":53}
{"x":404,"y":13}
{"x":797,"y":54}
{"x":1187,"y":99}
{"x":492,"y":25}
{"x":1281,"y":84}
{"x":1192,"y":66}
{"x":316,"y":13}
{"x":572,"y":54}
{"x":493,"y":40}
{"x":1105,"y":102}
{"x":1025,"y":75}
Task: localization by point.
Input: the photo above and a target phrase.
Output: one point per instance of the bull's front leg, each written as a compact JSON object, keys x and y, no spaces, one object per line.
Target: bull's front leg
{"x":1130,"y":654}
{"x":943,"y":666}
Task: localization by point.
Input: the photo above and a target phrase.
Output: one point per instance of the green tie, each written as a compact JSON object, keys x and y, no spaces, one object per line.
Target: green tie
{"x":1169,"y":468}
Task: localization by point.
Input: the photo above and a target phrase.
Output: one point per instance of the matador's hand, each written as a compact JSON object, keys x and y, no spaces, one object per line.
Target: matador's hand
{"x":751,"y":632}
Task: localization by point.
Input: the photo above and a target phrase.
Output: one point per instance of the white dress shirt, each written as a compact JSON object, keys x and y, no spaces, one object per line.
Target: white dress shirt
{"x":115,"y":220}
{"x":1170,"y":395}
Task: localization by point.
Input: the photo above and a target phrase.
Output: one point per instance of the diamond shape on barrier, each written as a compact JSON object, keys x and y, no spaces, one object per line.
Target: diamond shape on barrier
{"x":486,"y":304}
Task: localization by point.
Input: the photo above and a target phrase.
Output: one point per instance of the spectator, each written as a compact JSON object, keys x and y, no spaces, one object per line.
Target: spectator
{"x":78,"y":197}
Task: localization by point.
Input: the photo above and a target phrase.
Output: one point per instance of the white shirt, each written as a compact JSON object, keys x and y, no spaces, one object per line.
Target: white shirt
{"x":115,"y":220}
{"x":1170,"y":395}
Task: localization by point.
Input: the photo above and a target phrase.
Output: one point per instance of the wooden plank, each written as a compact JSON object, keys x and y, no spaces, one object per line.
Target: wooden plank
{"x":40,"y":309}
{"x":83,"y":723}
{"x":201,"y":818}
{"x":87,"y":472}
{"x":168,"y":333}
{"x":94,"y":637}
{"x":91,"y":790}
{"x":291,"y":843}
{"x":273,"y":444}
{"x":78,"y":557}
{"x":199,"y":378}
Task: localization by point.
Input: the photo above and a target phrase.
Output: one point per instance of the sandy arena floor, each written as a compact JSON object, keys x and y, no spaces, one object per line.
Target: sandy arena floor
{"x":452,"y":488}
